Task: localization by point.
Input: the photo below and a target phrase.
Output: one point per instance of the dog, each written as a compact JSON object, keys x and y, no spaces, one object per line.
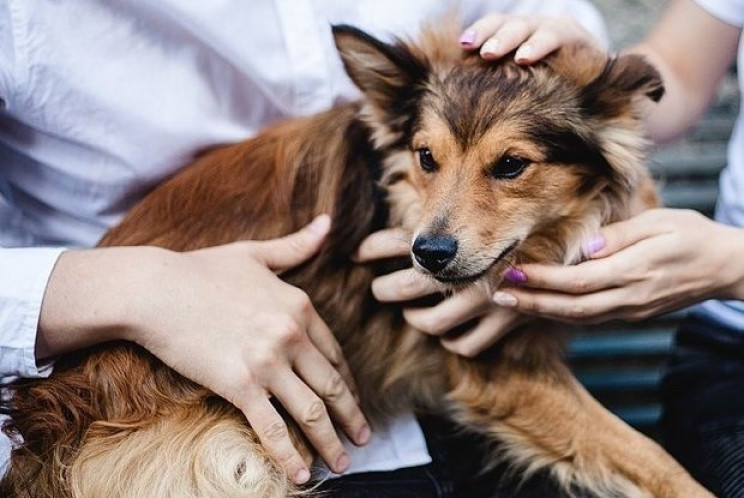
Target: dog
{"x":487,"y":164}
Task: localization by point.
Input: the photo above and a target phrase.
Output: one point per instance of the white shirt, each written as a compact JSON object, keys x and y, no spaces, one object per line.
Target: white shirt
{"x":104,"y":99}
{"x":730,"y":205}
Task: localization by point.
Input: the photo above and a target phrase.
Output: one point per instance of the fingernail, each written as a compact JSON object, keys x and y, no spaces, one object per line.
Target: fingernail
{"x":342,"y":463}
{"x":320,"y":225}
{"x":523,"y":52}
{"x":490,"y":47}
{"x":516,"y":276}
{"x":364,"y":435}
{"x":468,"y":37}
{"x":593,"y":245}
{"x":505,"y":299}
{"x":302,"y":476}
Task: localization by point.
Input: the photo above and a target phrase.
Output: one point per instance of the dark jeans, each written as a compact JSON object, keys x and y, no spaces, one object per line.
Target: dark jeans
{"x":454,"y":473}
{"x":703,"y":393}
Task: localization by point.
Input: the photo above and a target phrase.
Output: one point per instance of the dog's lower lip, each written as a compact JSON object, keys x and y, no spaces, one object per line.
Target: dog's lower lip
{"x":466,"y":279}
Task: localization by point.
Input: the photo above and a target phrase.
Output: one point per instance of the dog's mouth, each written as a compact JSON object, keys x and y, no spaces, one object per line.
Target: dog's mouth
{"x":459,"y":280}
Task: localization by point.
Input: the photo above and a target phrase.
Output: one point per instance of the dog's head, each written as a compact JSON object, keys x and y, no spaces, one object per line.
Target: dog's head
{"x":491,"y":162}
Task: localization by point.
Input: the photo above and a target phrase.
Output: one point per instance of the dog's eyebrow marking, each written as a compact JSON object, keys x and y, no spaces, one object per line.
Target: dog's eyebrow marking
{"x":469,"y":100}
{"x":564,"y":145}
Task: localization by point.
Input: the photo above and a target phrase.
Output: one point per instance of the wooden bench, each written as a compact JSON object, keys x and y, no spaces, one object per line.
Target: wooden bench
{"x":621,"y":363}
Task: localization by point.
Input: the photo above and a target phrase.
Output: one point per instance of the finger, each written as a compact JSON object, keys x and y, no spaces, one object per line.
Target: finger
{"x":587,"y":309}
{"x":507,"y":38}
{"x":537,"y":46}
{"x":390,"y":243}
{"x":329,"y":385}
{"x":450,"y":313}
{"x":474,"y":36}
{"x":294,"y":249}
{"x":309,"y":411}
{"x":491,"y":327}
{"x":618,"y":236}
{"x":403,"y":285}
{"x":324,"y":340}
{"x":274,"y":436}
{"x":584,"y":278}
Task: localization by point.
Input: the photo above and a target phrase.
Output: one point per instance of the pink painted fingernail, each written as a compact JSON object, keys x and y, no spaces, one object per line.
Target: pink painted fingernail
{"x":593,"y":245}
{"x":504,"y":299}
{"x":516,"y":276}
{"x":468,"y":37}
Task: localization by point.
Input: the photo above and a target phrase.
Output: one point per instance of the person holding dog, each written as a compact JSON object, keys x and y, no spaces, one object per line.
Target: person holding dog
{"x":658,"y":261}
{"x":99,"y":102}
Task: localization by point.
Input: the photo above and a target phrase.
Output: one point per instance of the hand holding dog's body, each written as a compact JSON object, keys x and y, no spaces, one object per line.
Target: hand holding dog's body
{"x":224,"y":302}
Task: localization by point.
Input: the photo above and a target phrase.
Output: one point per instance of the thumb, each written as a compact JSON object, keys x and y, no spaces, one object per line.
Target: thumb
{"x":616,"y":237}
{"x":296,"y":248}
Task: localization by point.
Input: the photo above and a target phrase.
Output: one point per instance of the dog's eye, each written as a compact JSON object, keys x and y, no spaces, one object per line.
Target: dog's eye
{"x":426,"y":160}
{"x":509,"y":167}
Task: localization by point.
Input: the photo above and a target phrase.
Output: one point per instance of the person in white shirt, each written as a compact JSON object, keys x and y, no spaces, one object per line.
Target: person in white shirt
{"x":99,"y":102}
{"x":667,"y":259}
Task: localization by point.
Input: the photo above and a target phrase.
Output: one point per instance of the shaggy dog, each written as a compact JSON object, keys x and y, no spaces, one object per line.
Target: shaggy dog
{"x":488,"y":164}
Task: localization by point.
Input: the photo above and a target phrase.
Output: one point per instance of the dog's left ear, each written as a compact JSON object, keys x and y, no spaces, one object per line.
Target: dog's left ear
{"x":612,"y":93}
{"x":610,"y":86}
{"x":622,"y":83}
{"x":390,"y":76}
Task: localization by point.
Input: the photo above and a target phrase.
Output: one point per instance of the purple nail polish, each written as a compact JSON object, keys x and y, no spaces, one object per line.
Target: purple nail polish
{"x":593,"y":245}
{"x":468,"y":37}
{"x":516,"y":276}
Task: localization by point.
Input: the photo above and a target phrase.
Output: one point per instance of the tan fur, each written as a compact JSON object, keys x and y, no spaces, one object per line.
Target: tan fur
{"x":114,"y":421}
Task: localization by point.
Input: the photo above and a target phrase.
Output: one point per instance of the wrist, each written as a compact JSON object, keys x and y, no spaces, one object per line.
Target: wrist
{"x":732,"y":274}
{"x":95,"y":296}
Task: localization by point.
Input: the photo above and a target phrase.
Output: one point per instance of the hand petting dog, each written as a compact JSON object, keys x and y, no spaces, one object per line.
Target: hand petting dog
{"x":533,"y":38}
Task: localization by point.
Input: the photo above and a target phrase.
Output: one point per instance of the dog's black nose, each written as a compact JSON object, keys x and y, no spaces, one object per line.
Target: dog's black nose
{"x":433,"y":253}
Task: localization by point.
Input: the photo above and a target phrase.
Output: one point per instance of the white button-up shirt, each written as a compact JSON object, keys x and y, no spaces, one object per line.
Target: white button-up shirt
{"x":103,"y":100}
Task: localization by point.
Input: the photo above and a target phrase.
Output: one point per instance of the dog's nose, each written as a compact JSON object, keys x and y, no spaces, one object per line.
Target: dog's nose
{"x":433,"y":253}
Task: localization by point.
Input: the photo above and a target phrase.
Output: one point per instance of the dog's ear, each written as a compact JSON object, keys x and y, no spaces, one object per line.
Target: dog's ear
{"x":611,"y":86}
{"x":612,"y":93}
{"x":390,"y":76}
{"x":622,"y":83}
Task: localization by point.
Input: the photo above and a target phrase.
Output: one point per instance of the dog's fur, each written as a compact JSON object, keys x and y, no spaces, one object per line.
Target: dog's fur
{"x":525,"y":162}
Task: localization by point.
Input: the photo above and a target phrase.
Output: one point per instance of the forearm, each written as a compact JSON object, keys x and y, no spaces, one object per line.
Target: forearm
{"x":92,"y":297}
{"x":692,"y":50}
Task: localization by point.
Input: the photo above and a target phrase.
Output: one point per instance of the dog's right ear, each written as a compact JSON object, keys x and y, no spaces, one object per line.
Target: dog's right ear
{"x":390,"y":76}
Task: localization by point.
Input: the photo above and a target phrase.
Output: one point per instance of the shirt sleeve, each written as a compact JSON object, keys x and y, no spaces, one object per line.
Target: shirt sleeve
{"x":25,"y":273}
{"x":728,"y":11}
{"x":7,"y":53}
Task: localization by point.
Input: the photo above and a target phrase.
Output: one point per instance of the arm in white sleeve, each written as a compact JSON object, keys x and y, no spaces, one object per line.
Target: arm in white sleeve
{"x":24,"y":273}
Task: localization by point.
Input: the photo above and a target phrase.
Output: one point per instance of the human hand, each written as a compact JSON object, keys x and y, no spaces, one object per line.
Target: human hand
{"x":658,"y":261}
{"x":221,"y":317}
{"x":533,"y":37}
{"x":471,"y":308}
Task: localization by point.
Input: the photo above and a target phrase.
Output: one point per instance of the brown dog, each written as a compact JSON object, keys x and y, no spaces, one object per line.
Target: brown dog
{"x":487,"y":164}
